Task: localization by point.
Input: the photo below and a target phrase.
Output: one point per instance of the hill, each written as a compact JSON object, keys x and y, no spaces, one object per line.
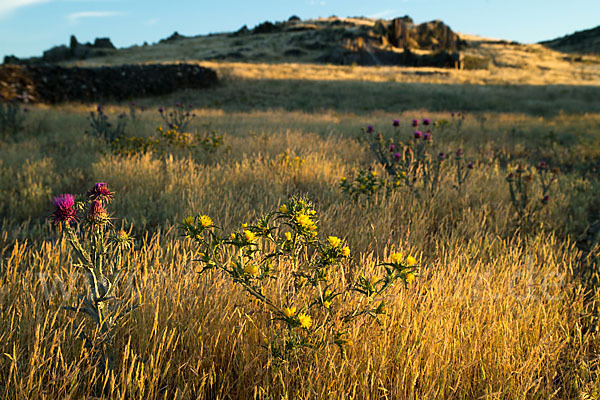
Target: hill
{"x":585,"y":42}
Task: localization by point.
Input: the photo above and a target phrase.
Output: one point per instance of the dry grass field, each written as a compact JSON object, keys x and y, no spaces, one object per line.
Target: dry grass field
{"x":498,"y":310}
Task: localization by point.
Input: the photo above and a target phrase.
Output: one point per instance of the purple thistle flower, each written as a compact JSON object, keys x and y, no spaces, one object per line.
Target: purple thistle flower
{"x":545,"y":199}
{"x":459,"y":153}
{"x":397,"y":156}
{"x":417,"y":134}
{"x":427,"y":136}
{"x":160,"y":110}
{"x":470,"y":165}
{"x":370,"y":129}
{"x":415,"y":123}
{"x":542,"y":165}
{"x":99,"y":108}
{"x":442,"y":155}
{"x":392,"y":147}
{"x":426,"y":121}
{"x":64,"y":211}
{"x":396,"y":123}
{"x":100,"y":192}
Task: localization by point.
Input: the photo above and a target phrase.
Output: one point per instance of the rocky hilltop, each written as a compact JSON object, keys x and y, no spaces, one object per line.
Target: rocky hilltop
{"x":585,"y":42}
{"x":340,"y":41}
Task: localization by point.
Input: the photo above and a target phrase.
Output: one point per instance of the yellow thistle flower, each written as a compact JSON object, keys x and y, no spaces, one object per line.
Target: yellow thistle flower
{"x":249,"y":236}
{"x":289,"y":311}
{"x":283,"y":209}
{"x":411,"y":261}
{"x":304,"y":220}
{"x":288,"y":236}
{"x":346,"y":251}
{"x":205,"y":221}
{"x":410,"y":278}
{"x":396,"y":257}
{"x":305,"y":320}
{"x":188,"y":221}
{"x":334,"y":241}
{"x":327,"y":304}
{"x":251,"y":269}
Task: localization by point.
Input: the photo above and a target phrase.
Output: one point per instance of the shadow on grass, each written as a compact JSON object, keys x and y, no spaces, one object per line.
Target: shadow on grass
{"x":363,"y":97}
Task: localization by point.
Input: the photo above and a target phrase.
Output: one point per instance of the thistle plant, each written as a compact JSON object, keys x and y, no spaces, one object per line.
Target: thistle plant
{"x":12,"y":117}
{"x":462,"y":168}
{"x":105,"y":129}
{"x":527,"y":198}
{"x":167,"y":141}
{"x":101,"y":255}
{"x":306,"y":286}
{"x":180,"y":116}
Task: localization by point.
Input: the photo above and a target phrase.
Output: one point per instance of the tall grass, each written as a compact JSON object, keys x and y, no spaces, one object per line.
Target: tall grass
{"x":496,"y":312}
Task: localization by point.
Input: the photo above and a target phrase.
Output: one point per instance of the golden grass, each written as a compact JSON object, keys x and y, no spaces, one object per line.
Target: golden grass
{"x":495,"y":313}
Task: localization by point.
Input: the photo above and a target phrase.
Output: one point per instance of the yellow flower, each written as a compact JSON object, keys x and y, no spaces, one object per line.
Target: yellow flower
{"x":410,"y":278}
{"x":344,"y":179}
{"x":396,"y":257}
{"x":244,"y":226}
{"x":411,"y":261}
{"x":374,"y":173}
{"x":283,"y":209}
{"x":304,"y":220}
{"x":188,"y":221}
{"x":327,"y":293}
{"x":249,"y":236}
{"x":251,"y":269}
{"x":362,"y":187}
{"x":334,"y":241}
{"x":288,"y":236}
{"x":327,"y":304}
{"x":312,"y":212}
{"x":205,"y":221}
{"x":233,"y":235}
{"x":403,"y":174}
{"x":305,"y":320}
{"x":289,"y":311}
{"x":346,"y":251}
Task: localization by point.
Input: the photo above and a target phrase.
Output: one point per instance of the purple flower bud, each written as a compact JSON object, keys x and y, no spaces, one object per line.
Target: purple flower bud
{"x":452,"y":114}
{"x":542,"y":165}
{"x":160,"y":110}
{"x":459,"y":153}
{"x":417,"y":134}
{"x":97,"y":211}
{"x":470,"y":165}
{"x":370,"y":129}
{"x":392,"y":147}
{"x":427,"y":136}
{"x":415,"y":123}
{"x":396,"y":123}
{"x":545,"y":199}
{"x":99,"y":108}
{"x":426,"y":121}
{"x":442,"y":155}
{"x":397,"y":156}
{"x":64,"y":211}
{"x":100,"y":192}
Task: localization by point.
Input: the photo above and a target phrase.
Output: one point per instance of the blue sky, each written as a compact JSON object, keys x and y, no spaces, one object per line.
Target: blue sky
{"x":27,"y":27}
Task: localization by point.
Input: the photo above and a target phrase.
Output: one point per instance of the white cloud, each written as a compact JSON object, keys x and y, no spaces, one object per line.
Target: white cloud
{"x":385,"y":14}
{"x":9,"y":6}
{"x":76,"y":16}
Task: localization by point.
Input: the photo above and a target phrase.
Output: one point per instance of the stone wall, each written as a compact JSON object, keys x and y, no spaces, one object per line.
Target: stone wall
{"x":51,"y":83}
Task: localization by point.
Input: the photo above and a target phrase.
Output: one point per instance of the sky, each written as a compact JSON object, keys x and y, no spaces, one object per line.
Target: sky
{"x":28,"y":27}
